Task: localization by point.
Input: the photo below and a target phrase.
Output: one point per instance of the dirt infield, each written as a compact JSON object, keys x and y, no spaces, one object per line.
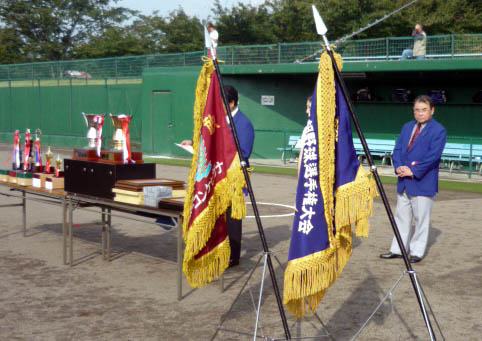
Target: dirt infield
{"x":134,"y":296}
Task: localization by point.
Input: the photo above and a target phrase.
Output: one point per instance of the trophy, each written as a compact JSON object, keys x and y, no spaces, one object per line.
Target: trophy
{"x":48,"y":158}
{"x":37,"y":167}
{"x":27,"y":152}
{"x":57,"y":181}
{"x":16,"y":153}
{"x":121,"y":139}
{"x":38,"y":179}
{"x":92,"y":152}
{"x":58,"y":164}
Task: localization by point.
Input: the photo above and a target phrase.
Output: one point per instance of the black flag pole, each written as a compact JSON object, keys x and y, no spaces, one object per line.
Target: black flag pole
{"x":250,"y":190}
{"x":321,"y":29}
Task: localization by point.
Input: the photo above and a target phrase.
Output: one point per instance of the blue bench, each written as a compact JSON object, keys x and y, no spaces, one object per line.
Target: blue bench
{"x":291,"y":147}
{"x":378,"y":147}
{"x":455,"y":153}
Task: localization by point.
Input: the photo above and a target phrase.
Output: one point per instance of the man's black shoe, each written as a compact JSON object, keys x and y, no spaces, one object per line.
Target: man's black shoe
{"x":233,"y":263}
{"x":390,"y":255}
{"x":414,"y":259}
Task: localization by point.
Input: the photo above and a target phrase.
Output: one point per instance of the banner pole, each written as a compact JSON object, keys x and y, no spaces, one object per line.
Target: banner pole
{"x":383,"y":195}
{"x":253,"y":203}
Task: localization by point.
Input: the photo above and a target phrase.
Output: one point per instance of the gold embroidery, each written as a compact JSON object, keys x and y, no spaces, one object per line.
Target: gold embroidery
{"x":209,"y":123}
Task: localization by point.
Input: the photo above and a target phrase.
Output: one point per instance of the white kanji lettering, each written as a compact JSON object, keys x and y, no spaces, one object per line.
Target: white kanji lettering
{"x":310,"y":170}
{"x":311,"y":184}
{"x":310,"y":139}
{"x":310,"y":198}
{"x":307,"y":212}
{"x":305,"y":226}
{"x":309,"y":154}
{"x":309,"y":126}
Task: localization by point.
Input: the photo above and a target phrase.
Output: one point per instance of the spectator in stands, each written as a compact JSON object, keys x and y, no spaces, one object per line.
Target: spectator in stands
{"x":419,"y":44}
{"x":416,"y":159}
{"x":213,"y":35}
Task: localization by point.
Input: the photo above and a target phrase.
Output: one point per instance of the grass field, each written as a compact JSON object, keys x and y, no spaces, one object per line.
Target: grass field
{"x":443,"y":184}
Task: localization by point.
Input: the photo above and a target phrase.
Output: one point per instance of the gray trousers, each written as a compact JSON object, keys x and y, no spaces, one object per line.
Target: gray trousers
{"x":418,"y":208}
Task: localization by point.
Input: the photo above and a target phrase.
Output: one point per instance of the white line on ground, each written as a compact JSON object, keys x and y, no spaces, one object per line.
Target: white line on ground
{"x":274,"y":215}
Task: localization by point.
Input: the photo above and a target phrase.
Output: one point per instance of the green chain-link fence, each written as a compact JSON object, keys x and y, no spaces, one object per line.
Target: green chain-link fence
{"x":440,"y":46}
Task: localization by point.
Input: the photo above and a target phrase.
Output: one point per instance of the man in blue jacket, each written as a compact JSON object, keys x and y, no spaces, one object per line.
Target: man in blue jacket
{"x":245,"y":132}
{"x":416,"y":159}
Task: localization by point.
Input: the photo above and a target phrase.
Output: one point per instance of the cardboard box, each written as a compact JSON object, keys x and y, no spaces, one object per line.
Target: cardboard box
{"x":52,"y":182}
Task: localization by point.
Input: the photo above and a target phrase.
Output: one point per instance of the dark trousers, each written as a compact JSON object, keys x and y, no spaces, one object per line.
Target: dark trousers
{"x":235,"y":229}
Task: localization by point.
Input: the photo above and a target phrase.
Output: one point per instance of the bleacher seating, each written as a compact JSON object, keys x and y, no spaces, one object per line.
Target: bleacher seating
{"x":378,"y":147}
{"x":455,"y":153}
{"x":291,"y":147}
{"x":452,"y":156}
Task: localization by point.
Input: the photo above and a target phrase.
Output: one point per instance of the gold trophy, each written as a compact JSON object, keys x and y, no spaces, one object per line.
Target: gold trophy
{"x":58,"y":164}
{"x":122,"y":151}
{"x":94,"y":124}
{"x":48,"y":158}
{"x":56,"y":181}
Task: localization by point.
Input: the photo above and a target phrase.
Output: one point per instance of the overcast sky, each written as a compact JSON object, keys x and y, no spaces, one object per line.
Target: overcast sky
{"x":199,"y":8}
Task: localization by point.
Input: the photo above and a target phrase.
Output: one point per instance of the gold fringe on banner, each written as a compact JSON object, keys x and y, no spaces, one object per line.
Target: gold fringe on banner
{"x":354,"y":202}
{"x":227,"y":192}
{"x":307,"y":278}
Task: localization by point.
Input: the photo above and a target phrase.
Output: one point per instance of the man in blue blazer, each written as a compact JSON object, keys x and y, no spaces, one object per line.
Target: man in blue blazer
{"x":416,"y":159}
{"x":245,"y":132}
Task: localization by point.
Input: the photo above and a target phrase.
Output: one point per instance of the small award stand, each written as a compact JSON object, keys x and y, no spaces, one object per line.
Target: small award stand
{"x":85,"y":154}
{"x":38,"y":179}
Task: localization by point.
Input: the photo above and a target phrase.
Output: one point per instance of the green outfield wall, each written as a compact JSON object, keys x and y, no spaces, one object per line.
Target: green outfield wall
{"x":56,"y":108}
{"x":169,"y":92}
{"x":272,"y":96}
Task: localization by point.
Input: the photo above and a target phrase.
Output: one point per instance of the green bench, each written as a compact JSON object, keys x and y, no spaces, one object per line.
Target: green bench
{"x":291,"y":147}
{"x":378,"y":147}
{"x":455,"y":153}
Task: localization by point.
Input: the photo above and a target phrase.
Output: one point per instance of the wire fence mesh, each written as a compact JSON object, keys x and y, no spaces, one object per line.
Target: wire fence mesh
{"x":439,"y":46}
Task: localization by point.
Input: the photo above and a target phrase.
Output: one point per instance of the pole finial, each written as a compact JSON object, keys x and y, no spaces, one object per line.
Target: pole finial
{"x":320,"y":26}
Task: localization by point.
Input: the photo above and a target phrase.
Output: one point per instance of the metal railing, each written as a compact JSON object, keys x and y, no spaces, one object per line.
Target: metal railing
{"x":438,"y":46}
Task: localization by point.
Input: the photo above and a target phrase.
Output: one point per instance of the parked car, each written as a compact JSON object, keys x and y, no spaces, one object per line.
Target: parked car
{"x":77,"y":74}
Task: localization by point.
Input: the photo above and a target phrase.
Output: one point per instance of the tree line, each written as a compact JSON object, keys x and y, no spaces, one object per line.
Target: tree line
{"x":46,"y":30}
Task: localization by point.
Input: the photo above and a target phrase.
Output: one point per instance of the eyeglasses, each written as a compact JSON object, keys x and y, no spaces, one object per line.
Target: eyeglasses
{"x":424,"y":110}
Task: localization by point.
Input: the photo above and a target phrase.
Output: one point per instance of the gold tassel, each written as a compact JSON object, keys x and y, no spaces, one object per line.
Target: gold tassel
{"x":203,"y":270}
{"x":201,"y":228}
{"x":306,"y":280}
{"x":354,"y":202}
